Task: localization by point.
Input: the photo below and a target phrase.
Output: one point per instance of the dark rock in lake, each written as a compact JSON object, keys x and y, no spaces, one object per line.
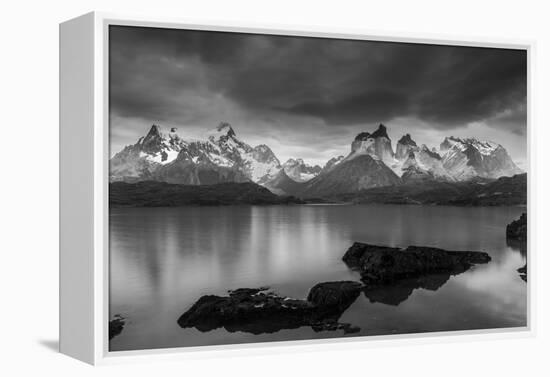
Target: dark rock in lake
{"x":386,"y":265}
{"x":337,"y":295}
{"x":258,"y":311}
{"x":355,"y":253}
{"x":116,"y":326}
{"x":523,"y":272}
{"x":517,"y":229}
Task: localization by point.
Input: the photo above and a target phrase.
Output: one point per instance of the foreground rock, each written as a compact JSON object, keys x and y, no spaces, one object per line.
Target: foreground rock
{"x":517,"y":229}
{"x":258,"y":311}
{"x":387,"y":265}
{"x":116,"y":326}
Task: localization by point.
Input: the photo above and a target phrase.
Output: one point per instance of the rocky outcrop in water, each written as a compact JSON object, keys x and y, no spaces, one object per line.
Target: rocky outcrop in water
{"x":523,"y":272}
{"x":517,"y":229}
{"x":116,"y":326}
{"x":387,"y":265}
{"x":516,"y":238}
{"x":259,"y":311}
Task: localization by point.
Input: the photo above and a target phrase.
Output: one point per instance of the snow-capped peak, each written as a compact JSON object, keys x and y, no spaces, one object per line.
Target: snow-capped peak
{"x":160,"y":151}
{"x":154,"y":133}
{"x":467,"y":158}
{"x":407,"y":140}
{"x":262,"y":148}
{"x":430,"y":152}
{"x":293,"y":162}
{"x":221,"y":132}
{"x":299,"y":171}
{"x":158,"y":146}
{"x":157,"y":133}
{"x":484,"y":147}
{"x":376,"y":144}
{"x":380,"y":132}
{"x":405,"y":145}
{"x":330,"y":164}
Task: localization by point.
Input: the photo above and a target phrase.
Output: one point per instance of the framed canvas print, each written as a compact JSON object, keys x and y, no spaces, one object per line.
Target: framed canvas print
{"x":225,"y":187}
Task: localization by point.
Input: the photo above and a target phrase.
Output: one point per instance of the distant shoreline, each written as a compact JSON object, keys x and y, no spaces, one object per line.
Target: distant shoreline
{"x":506,"y":191}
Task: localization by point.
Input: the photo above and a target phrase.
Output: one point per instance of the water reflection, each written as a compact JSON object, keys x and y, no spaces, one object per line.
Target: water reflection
{"x":521,"y":247}
{"x":517,"y":245}
{"x":400,"y":291}
{"x":163,"y":259}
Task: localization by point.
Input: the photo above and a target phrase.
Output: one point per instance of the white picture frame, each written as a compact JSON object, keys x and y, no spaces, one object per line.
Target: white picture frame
{"x":84,"y":153}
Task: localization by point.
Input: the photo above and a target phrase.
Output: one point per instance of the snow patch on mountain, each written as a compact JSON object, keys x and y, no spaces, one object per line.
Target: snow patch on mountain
{"x":299,"y":171}
{"x":468,"y":158}
{"x":220,"y":147}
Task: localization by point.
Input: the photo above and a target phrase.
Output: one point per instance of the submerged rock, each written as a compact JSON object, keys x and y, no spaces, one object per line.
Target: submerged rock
{"x":116,"y":326}
{"x":387,"y":265}
{"x":257,"y":311}
{"x":517,"y":229}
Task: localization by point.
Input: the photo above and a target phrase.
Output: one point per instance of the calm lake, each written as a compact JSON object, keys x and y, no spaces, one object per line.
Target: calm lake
{"x":162,"y":260}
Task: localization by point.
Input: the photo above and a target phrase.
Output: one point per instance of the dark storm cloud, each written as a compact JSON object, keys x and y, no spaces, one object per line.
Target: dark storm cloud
{"x":445,"y":86}
{"x":368,"y":106}
{"x":155,"y":71}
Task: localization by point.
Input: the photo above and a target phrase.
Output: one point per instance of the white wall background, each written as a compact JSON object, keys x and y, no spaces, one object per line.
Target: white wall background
{"x":29,"y":188}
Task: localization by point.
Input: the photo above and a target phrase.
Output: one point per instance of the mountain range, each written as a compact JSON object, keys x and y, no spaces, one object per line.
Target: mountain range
{"x":221,"y":157}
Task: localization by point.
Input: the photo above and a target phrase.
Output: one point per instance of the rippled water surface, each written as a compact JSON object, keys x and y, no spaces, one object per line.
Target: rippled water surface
{"x":163,"y":259}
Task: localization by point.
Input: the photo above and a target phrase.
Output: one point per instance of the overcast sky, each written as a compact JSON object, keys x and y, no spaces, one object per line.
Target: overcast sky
{"x":309,"y":97}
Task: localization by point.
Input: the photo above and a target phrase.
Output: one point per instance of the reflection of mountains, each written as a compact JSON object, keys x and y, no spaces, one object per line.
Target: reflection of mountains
{"x":400,"y":291}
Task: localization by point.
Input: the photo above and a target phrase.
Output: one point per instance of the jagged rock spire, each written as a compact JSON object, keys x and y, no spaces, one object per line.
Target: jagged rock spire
{"x":407,"y":140}
{"x":380,"y":132}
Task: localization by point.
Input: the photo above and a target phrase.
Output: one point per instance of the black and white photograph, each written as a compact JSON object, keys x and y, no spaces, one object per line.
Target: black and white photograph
{"x":267,"y":188}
